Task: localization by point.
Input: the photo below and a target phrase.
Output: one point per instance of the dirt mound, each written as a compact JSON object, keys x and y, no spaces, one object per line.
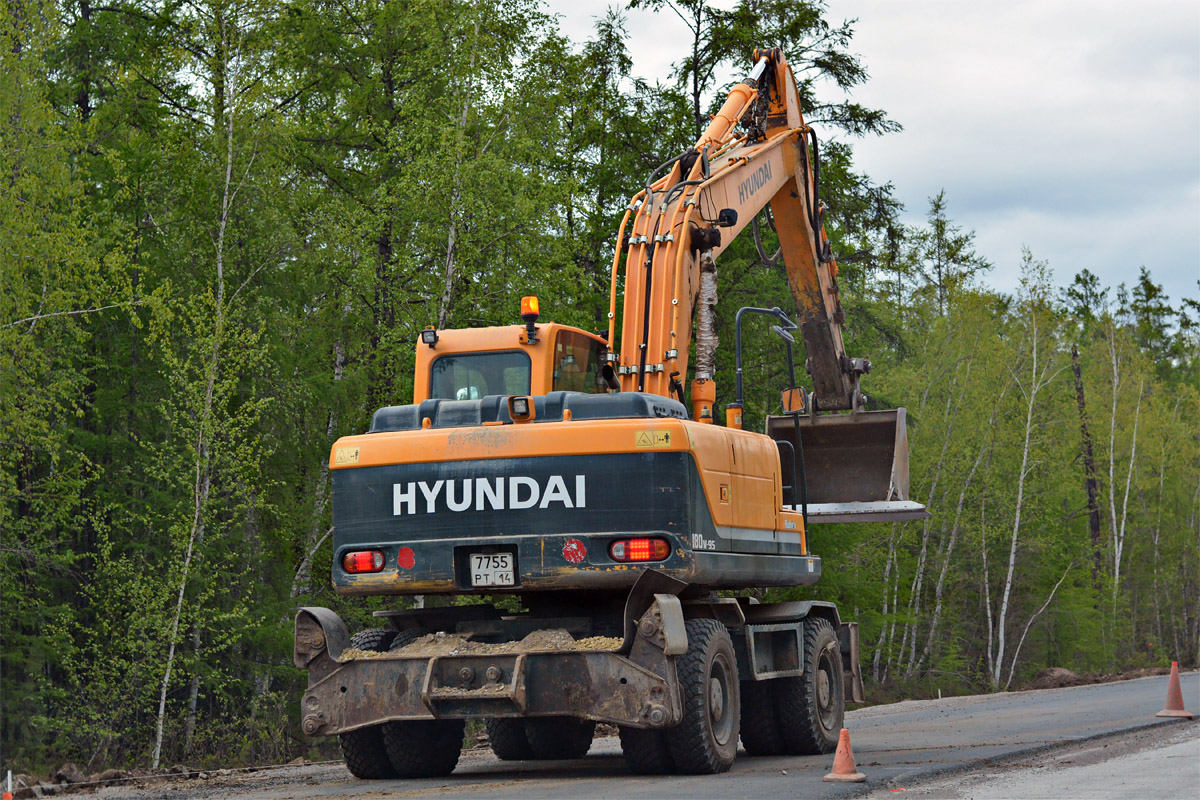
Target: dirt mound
{"x":450,"y":644}
{"x":1058,"y":677}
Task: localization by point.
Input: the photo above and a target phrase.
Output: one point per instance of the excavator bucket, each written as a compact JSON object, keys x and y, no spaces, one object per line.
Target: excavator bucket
{"x":854,"y":466}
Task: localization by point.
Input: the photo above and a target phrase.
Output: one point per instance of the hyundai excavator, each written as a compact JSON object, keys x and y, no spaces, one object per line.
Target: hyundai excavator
{"x":599,"y":537}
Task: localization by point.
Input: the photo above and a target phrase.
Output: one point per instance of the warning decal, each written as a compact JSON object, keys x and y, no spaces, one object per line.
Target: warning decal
{"x":652,"y":439}
{"x":346,"y":455}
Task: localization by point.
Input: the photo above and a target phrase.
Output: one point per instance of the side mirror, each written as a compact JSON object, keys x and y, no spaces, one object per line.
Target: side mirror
{"x":793,"y":400}
{"x":727,"y":218}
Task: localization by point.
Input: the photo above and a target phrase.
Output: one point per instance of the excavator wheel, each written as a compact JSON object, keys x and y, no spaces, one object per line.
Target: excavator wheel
{"x":760,"y":728}
{"x":552,"y":738}
{"x":506,"y":737}
{"x":363,"y":749}
{"x":705,"y":742}
{"x":811,"y":707}
{"x":422,"y":748}
{"x":646,"y":751}
{"x":404,"y":638}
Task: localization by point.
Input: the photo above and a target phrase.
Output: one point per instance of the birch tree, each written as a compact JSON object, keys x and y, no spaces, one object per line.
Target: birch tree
{"x":210,"y":352}
{"x":1035,"y":373}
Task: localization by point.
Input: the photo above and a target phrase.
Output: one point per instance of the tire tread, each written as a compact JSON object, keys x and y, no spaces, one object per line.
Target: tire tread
{"x":424,"y":748}
{"x":799,"y":719}
{"x":363,"y":749}
{"x":646,"y":751}
{"x":760,"y":727}
{"x":506,"y":737}
{"x":691,"y":746}
{"x":555,"y":738}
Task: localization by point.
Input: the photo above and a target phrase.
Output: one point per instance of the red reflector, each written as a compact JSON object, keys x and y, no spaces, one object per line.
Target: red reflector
{"x":642,"y":549}
{"x":363,"y":561}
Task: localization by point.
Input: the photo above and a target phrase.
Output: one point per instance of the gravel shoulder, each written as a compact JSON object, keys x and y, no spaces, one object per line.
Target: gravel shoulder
{"x":1161,"y":761}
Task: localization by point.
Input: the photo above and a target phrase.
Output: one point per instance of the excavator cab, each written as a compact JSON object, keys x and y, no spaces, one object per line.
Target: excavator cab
{"x":529,"y":359}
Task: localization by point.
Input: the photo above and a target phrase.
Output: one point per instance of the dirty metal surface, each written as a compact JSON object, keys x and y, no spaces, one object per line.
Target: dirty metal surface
{"x":597,"y":685}
{"x":447,"y":676}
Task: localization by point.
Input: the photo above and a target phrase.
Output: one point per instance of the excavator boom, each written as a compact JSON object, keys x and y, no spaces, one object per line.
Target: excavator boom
{"x":673,"y":233}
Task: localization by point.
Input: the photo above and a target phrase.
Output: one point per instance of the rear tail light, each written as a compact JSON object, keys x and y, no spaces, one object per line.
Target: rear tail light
{"x":643,"y":549}
{"x":363,"y":561}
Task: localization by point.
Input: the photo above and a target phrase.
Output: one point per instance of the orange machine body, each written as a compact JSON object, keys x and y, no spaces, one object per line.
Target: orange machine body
{"x":737,"y":473}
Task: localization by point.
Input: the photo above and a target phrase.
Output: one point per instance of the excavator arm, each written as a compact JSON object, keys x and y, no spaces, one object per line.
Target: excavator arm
{"x":675,"y":229}
{"x":757,"y":150}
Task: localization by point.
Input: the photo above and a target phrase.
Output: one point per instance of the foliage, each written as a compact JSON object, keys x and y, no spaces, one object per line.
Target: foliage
{"x":224,"y":223}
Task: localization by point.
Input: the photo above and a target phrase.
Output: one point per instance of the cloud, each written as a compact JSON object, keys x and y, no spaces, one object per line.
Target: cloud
{"x":1071,"y":126}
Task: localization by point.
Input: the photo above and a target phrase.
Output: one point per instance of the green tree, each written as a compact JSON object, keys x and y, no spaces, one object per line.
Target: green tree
{"x":1085,"y":299}
{"x":944,"y":255}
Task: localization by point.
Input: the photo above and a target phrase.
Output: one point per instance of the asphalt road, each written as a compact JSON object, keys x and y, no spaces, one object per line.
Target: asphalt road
{"x":1156,"y":761}
{"x":897,"y":746}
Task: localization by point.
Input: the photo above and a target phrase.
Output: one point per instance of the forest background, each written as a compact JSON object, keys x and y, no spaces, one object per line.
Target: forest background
{"x":224,"y":222}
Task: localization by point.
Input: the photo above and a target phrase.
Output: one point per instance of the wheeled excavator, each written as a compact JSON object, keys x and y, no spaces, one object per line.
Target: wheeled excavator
{"x":598,"y":534}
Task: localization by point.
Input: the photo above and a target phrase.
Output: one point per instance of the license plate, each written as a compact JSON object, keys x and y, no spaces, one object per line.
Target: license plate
{"x":492,"y":569}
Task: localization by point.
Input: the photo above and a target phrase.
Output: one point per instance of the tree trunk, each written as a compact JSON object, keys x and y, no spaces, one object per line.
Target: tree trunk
{"x":1040,"y":376}
{"x":1002,"y":617}
{"x":1119,"y":529}
{"x":887,"y":587}
{"x":203,"y":479}
{"x":456,"y":193}
{"x":1162,"y":475}
{"x":1089,"y":470}
{"x":914,"y":601}
{"x":189,"y":725}
{"x":302,"y":580}
{"x":954,"y":528}
{"x":1017,"y":652}
{"x":83,"y":100}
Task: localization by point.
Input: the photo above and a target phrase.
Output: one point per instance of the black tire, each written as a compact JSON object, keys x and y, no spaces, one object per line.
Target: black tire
{"x":646,"y":751}
{"x":365,"y":755}
{"x":363,"y":749}
{"x":812,"y":707}
{"x":506,"y":737}
{"x":705,"y":742}
{"x":424,"y":748}
{"x":374,"y":639}
{"x":404,"y":638}
{"x":760,"y":728}
{"x":552,"y":738}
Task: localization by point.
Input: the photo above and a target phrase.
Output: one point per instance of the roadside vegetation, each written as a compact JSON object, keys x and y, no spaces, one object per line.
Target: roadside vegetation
{"x":224,"y":223}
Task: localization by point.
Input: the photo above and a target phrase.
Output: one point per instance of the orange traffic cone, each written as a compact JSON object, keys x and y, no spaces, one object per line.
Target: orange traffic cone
{"x":844,"y":768}
{"x":1175,"y":697}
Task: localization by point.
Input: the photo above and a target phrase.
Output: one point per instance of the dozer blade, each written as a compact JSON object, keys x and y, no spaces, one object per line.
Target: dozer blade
{"x":855,"y":466}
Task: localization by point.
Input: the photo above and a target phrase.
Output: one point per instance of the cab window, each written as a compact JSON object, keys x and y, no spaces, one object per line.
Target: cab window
{"x":471,"y":376}
{"x":577,"y":363}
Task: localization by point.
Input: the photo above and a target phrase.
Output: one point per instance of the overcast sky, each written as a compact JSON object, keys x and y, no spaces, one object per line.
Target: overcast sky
{"x":1069,"y":126}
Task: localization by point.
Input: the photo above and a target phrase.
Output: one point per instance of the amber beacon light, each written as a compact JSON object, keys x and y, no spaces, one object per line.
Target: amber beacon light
{"x":529,"y":313}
